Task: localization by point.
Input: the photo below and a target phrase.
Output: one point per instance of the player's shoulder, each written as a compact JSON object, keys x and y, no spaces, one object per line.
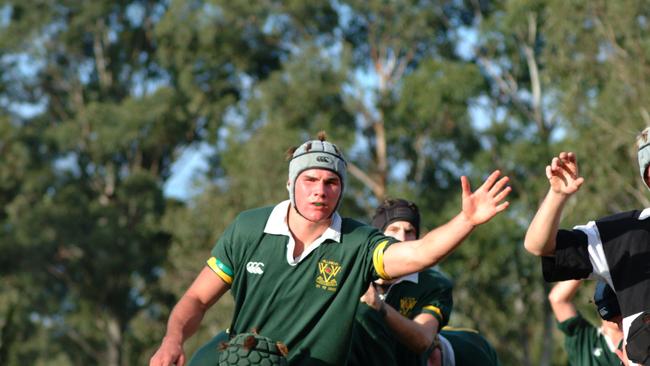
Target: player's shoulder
{"x":434,"y":275}
{"x":357,"y":234}
{"x":612,"y":226}
{"x":255,"y":214}
{"x":351,"y":226}
{"x":625,"y":216}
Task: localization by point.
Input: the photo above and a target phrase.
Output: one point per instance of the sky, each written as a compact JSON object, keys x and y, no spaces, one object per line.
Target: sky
{"x":182,"y":184}
{"x":185,"y":171}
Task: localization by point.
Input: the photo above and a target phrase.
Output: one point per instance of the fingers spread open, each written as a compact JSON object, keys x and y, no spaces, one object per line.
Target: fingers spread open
{"x":489,"y":182}
{"x":498,"y":186}
{"x":464,"y":183}
{"x":502,"y":194}
{"x":502,"y":206}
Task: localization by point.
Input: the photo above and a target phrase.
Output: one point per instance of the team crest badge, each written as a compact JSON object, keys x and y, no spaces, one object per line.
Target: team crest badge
{"x":327,"y":271}
{"x":406,"y":305}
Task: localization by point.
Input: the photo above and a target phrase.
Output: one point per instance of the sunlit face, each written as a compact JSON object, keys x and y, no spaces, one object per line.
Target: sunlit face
{"x":401,"y":230}
{"x":316,"y":193}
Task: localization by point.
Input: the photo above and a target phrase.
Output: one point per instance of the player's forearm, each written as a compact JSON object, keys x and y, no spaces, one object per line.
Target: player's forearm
{"x":414,"y":256}
{"x":564,"y":291}
{"x":540,"y":236}
{"x":560,"y":298}
{"x":184,"y":319}
{"x":415,"y":336}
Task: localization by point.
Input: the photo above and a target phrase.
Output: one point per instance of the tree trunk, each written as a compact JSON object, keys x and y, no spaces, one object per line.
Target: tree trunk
{"x":114,"y":342}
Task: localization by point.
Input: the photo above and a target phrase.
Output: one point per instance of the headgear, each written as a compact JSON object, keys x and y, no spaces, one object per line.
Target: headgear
{"x":316,"y":154}
{"x":396,"y":210}
{"x":606,"y":301}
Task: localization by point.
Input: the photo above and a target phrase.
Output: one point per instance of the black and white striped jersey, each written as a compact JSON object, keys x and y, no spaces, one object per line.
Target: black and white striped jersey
{"x":615,"y":248}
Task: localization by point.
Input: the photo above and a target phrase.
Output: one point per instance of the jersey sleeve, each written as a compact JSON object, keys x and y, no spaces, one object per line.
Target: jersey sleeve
{"x":377,"y":243}
{"x":222,"y":260}
{"x":571,"y":260}
{"x":574,"y":325}
{"x":579,"y":340}
{"x":438,"y":300}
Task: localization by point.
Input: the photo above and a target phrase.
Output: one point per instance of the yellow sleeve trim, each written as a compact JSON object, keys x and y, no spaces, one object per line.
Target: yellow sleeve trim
{"x":212,"y":263}
{"x":460,"y":329}
{"x":378,"y":260}
{"x":435,"y":309}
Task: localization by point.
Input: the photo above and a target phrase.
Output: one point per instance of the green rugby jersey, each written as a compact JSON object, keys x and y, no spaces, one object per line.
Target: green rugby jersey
{"x":469,"y":347}
{"x":585,"y":344}
{"x":373,"y":342}
{"x":208,"y":354}
{"x":309,"y":304}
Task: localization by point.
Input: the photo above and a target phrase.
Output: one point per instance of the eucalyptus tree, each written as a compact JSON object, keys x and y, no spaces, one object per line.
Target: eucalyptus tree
{"x":561,"y":80}
{"x":107,"y":94}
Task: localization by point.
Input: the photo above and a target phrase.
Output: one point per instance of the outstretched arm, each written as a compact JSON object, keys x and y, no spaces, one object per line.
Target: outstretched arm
{"x":478,"y":207}
{"x":416,"y":334}
{"x":561,"y":299}
{"x":186,"y":316}
{"x":564,"y":181}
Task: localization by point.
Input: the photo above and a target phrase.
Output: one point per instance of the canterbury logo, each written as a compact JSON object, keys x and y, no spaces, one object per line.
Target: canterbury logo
{"x":323,"y":159}
{"x":255,"y":267}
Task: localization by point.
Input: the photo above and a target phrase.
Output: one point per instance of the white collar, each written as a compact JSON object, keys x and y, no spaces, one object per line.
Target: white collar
{"x":644,"y":214}
{"x":413,"y":277}
{"x":277,"y":225}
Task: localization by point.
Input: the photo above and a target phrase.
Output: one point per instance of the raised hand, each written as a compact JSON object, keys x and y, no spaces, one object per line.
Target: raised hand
{"x":484,"y":203}
{"x":563,"y":175}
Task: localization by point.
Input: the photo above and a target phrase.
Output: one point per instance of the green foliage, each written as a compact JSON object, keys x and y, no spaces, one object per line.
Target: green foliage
{"x":94,"y":256}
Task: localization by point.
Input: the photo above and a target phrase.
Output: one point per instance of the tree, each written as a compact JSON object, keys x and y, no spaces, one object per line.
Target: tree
{"x":111,"y":112}
{"x":99,"y":100}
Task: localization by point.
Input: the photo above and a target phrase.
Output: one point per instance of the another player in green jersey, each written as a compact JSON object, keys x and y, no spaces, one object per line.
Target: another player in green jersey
{"x":585,"y":343}
{"x":399,"y":318}
{"x":463,"y":347}
{"x":297,"y":269}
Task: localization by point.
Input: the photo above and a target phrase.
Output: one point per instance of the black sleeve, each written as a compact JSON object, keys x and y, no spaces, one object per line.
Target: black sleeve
{"x":571,"y":260}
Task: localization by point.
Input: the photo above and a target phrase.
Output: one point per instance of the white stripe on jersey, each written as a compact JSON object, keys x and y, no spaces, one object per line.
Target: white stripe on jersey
{"x":596,"y":253}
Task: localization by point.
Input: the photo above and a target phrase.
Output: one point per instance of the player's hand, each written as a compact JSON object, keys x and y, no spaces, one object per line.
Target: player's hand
{"x":371,"y":297}
{"x":563,"y":175}
{"x":170,"y":353}
{"x":487,"y":201}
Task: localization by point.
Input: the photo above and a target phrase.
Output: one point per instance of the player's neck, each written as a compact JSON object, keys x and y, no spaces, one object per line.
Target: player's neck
{"x":612,"y":332}
{"x":304,"y":231}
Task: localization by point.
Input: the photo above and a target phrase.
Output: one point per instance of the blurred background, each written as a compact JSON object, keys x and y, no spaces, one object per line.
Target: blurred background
{"x":132,"y":132}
